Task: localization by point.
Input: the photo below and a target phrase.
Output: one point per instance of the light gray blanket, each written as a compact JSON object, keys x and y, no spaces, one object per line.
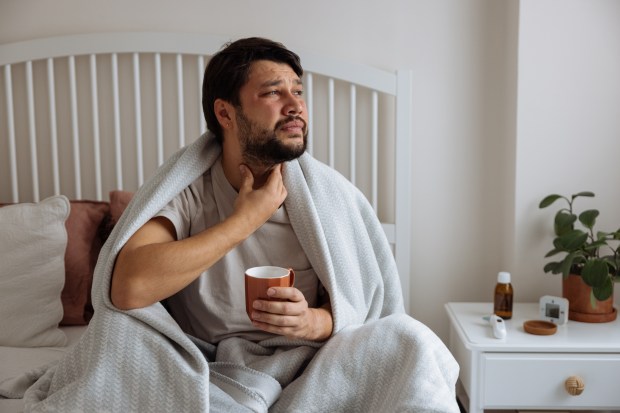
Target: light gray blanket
{"x":378,"y":360}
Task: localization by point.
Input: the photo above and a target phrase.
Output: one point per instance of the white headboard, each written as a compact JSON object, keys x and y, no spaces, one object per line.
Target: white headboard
{"x":86,"y":114}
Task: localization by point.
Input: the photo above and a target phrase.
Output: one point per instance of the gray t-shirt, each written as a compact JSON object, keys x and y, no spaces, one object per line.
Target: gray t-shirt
{"x":213,"y":306}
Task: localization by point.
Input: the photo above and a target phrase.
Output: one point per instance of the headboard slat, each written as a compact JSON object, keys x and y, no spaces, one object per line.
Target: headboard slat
{"x":75,"y":131}
{"x":180,"y":100}
{"x":201,"y":121}
{"x":10,"y":123}
{"x":331,"y":151}
{"x":117,"y":124}
{"x":352,"y":133}
{"x":32,"y":133}
{"x":95,"y":126}
{"x":53,"y":128}
{"x":137,"y":96}
{"x":308,"y":93}
{"x":374,"y":197}
{"x":159,"y":111}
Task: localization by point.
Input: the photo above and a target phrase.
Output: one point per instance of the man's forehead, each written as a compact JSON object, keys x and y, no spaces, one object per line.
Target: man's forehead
{"x":267,"y":72}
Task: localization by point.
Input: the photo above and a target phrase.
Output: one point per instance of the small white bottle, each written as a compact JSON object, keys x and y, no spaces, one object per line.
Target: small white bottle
{"x":502,"y":303}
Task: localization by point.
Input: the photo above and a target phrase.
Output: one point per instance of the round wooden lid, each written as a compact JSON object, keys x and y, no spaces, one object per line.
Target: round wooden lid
{"x":539,"y":327}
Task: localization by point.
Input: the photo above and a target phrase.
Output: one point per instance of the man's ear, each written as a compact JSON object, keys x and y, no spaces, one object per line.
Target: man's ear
{"x":224,"y":112}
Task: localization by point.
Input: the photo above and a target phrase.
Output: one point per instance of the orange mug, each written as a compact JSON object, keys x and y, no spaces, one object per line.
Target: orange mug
{"x":259,"y":279}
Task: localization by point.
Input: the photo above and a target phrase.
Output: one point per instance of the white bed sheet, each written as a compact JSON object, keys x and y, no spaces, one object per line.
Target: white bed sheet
{"x":17,"y":360}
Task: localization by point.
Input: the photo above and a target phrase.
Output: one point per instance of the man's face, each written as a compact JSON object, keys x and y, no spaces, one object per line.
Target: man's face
{"x":272,"y":120}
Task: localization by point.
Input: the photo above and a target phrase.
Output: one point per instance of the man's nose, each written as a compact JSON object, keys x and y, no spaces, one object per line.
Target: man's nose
{"x":294,"y":105}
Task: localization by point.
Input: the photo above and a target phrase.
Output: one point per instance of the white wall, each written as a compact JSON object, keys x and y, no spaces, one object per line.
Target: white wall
{"x":568,"y":137}
{"x":477,"y":176}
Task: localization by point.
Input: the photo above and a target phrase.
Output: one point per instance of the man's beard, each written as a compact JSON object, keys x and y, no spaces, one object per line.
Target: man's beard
{"x":261,"y":146}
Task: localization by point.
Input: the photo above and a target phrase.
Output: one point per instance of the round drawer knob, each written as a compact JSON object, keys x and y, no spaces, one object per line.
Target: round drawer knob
{"x":574,"y":385}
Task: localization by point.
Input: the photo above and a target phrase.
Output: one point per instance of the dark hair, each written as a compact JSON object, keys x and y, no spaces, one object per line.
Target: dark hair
{"x":228,"y":71}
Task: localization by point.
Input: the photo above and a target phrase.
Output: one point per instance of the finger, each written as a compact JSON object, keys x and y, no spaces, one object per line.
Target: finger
{"x":286,"y":293}
{"x":281,"y":325}
{"x":279,"y":179}
{"x":280,"y":308}
{"x":275,"y":329}
{"x":247,"y":179}
{"x":275,"y":177}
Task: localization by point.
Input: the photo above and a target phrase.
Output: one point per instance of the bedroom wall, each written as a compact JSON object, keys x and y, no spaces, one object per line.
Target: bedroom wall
{"x":478,"y":162}
{"x":568,"y":125}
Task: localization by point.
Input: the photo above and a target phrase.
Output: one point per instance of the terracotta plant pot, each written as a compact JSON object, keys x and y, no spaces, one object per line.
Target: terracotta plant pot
{"x":580,"y":308}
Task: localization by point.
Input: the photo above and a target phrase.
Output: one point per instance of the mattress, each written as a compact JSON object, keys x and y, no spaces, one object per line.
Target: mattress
{"x":17,"y":360}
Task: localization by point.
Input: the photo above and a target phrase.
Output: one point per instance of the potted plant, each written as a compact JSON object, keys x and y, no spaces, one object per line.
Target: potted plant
{"x":591,"y":260}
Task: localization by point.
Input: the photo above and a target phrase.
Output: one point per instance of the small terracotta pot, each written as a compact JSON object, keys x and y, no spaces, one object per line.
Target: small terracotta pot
{"x":580,"y":309}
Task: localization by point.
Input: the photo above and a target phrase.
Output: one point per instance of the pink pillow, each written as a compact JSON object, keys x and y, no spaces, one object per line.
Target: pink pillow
{"x":88,"y":226}
{"x":84,"y":227}
{"x":118,"y":203}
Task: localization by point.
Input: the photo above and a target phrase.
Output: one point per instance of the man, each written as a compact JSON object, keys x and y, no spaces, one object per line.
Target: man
{"x":242,"y":195}
{"x":259,"y":116}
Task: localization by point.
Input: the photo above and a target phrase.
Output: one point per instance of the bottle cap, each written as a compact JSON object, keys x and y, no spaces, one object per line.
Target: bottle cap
{"x":503,"y":277}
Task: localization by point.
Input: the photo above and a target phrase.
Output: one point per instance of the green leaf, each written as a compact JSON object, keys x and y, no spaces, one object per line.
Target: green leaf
{"x":595,"y":273}
{"x":553,"y":267}
{"x":548,"y":200}
{"x":601,"y":235}
{"x":584,"y":193}
{"x":563,"y":222}
{"x":603,"y":292}
{"x":571,"y":241}
{"x":552,"y":252}
{"x":611,"y":262}
{"x":594,"y":245}
{"x":567,"y":263}
{"x":588,"y":218}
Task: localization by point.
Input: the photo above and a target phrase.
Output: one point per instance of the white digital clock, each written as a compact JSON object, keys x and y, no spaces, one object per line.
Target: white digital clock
{"x":554,"y":309}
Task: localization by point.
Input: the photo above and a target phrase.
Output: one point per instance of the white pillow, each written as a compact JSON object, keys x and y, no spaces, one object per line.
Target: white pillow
{"x":33,"y":240}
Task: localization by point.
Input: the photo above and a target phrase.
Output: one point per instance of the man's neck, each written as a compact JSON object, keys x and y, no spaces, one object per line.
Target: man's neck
{"x":231,"y":163}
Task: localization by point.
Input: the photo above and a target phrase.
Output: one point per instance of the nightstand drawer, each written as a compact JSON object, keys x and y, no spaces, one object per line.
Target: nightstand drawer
{"x":537,"y":380}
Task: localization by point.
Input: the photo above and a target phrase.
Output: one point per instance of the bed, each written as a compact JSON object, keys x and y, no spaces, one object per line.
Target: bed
{"x":88,"y":118}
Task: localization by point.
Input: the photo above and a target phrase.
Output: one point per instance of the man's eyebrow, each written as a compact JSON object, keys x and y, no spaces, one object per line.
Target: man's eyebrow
{"x":278,"y":82}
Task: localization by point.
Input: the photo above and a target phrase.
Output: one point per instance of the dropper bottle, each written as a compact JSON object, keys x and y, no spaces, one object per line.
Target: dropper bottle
{"x":502,"y":304}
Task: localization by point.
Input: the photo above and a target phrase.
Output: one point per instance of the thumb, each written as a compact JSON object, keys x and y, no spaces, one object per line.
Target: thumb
{"x":247,"y":179}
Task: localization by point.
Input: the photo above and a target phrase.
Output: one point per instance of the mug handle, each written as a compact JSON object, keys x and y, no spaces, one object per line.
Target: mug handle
{"x":292,"y":278}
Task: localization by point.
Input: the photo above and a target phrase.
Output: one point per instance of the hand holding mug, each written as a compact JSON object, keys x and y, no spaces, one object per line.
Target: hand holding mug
{"x":258,"y":280}
{"x":283,"y":309}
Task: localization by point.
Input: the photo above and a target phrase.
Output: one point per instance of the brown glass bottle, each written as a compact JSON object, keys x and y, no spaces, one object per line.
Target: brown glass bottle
{"x":502,"y":303}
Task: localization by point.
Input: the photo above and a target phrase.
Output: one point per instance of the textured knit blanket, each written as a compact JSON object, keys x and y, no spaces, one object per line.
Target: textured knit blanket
{"x":378,"y":359}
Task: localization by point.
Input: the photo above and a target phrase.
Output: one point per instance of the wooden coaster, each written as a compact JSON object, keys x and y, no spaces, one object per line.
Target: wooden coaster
{"x":540,"y":328}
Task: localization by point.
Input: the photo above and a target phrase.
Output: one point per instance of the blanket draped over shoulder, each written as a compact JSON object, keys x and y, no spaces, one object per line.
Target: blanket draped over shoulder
{"x":378,"y":359}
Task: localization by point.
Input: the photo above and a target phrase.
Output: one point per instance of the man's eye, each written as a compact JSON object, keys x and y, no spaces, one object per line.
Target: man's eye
{"x":299,"y":92}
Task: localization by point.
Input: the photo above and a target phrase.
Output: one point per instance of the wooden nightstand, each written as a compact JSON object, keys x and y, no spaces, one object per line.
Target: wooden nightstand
{"x":525,"y":371}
